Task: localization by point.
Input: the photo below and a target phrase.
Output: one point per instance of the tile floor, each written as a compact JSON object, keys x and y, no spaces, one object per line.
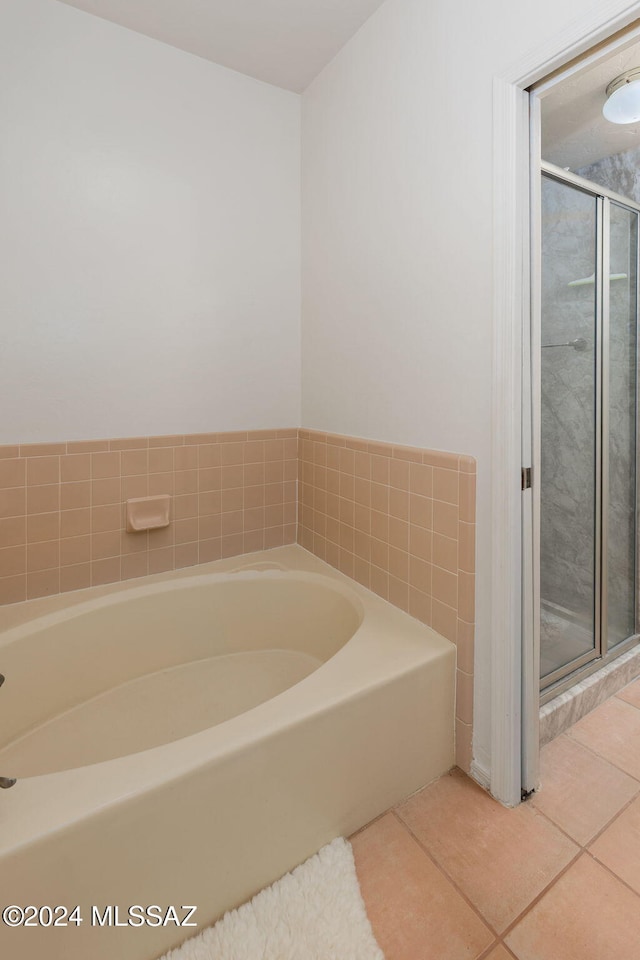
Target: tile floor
{"x":451,"y":875}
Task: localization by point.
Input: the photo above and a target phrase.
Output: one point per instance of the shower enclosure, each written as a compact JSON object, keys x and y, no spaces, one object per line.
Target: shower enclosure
{"x":589,"y":426}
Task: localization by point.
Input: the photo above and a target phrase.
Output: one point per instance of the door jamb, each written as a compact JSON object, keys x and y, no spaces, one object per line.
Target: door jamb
{"x":511,"y":300}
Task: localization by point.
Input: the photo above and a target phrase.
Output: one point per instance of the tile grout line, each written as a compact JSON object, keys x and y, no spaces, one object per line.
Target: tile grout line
{"x":599,"y":755}
{"x":499,"y":936}
{"x":610,"y":821}
{"x":449,"y":879}
{"x":612,"y":873}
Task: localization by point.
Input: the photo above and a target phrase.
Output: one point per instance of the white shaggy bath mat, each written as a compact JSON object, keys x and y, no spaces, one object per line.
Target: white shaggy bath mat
{"x":315,"y":912}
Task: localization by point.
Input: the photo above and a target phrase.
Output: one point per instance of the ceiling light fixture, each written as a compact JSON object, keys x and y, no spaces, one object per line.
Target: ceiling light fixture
{"x":623,"y":98}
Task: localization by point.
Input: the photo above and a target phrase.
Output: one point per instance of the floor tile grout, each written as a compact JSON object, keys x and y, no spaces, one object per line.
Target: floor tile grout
{"x":612,"y":873}
{"x":447,"y":877}
{"x":582,"y":863}
{"x":612,"y":821}
{"x":585,"y":846}
{"x":567,"y":733}
{"x":542,"y":893}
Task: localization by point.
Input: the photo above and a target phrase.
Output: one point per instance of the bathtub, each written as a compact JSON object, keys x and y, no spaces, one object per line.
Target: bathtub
{"x":185,"y":739}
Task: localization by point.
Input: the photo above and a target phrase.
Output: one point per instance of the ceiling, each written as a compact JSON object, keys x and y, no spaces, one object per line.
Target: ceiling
{"x":284,"y":42}
{"x":574,"y":132}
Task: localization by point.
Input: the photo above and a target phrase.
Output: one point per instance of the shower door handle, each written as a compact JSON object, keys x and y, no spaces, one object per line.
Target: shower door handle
{"x":578,"y":344}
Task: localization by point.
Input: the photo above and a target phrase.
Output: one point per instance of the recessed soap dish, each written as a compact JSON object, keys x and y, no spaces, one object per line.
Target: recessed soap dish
{"x":147,"y":513}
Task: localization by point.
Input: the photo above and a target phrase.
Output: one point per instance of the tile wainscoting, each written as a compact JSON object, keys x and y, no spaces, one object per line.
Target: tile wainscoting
{"x":62,"y":524}
{"x":400,"y":521}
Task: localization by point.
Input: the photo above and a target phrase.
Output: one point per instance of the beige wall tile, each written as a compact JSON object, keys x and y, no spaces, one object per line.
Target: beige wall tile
{"x":12,"y":473}
{"x":421,"y":479}
{"x":132,"y":487}
{"x":466,"y":547}
{"x":464,"y":697}
{"x":42,"y":470}
{"x":75,"y":550}
{"x":399,"y":593}
{"x":13,"y":532}
{"x":128,"y":443}
{"x":106,"y":491}
{"x":468,"y":497}
{"x":13,"y":502}
{"x":105,"y":571}
{"x":13,"y":560}
{"x":209,"y":550}
{"x":380,"y":469}
{"x":108,"y":517}
{"x":104,"y":545}
{"x":420,"y":574}
{"x":444,"y":620}
{"x":44,"y":583}
{"x":135,"y":462}
{"x":464,"y":754}
{"x":421,"y":511}
{"x":185,"y":531}
{"x":75,"y":467}
{"x":231,"y":476}
{"x":445,"y":519}
{"x":380,"y":582}
{"x":465,"y":645}
{"x":87,"y":446}
{"x":466,"y":596}
{"x":399,"y":474}
{"x":420,"y":605}
{"x":186,"y":555}
{"x":253,"y":540}
{"x":13,"y":589}
{"x":73,"y":496}
{"x":44,"y":498}
{"x":160,"y":460}
{"x":445,"y":552}
{"x":186,"y":458}
{"x":420,"y":542}
{"x":105,"y":465}
{"x":134,"y":565}
{"x":43,"y":556}
{"x":445,"y":485}
{"x":43,"y":526}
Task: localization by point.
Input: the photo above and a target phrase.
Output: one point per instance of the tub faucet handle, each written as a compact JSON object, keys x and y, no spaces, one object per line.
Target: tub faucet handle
{"x":5,"y":782}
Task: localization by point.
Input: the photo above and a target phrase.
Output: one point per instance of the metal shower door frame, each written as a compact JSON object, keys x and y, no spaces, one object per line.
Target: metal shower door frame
{"x":565,"y":676}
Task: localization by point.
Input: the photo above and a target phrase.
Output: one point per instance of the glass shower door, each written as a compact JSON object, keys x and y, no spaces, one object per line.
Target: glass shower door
{"x":570,"y":442}
{"x":589,"y":424}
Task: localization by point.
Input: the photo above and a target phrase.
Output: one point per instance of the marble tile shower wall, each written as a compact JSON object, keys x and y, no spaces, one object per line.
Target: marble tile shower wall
{"x":567,"y":401}
{"x":400,"y":521}
{"x":62,"y":506}
{"x":620,"y":173}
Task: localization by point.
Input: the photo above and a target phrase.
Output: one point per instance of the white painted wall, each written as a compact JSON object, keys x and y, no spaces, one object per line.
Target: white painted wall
{"x":397,"y":239}
{"x":149,"y":241}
